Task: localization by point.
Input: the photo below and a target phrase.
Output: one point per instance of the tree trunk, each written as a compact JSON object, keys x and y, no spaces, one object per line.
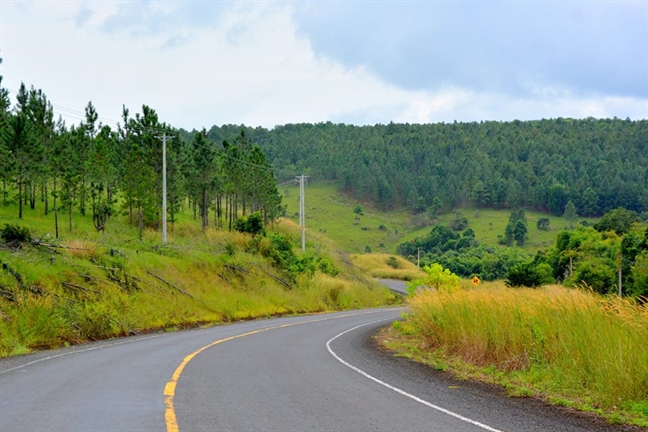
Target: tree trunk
{"x":32,"y":196}
{"x":20,"y":199}
{"x":235,"y":214}
{"x":231,"y":207}
{"x":55,"y":211}
{"x":70,"y":215}
{"x":219,"y":210}
{"x":141,"y":221}
{"x":204,"y":209}
{"x":45,"y":198}
{"x":82,"y":198}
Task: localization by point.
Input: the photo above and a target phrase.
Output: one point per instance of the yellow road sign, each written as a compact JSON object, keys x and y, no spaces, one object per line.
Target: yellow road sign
{"x":476,"y":281}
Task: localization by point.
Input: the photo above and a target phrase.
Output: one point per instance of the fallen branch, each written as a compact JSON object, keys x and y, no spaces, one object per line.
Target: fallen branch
{"x":7,"y":295}
{"x":170,"y":284}
{"x":79,"y":287}
{"x":50,"y":247}
{"x":277,"y":278}
{"x":224,"y":278}
{"x":14,"y":273}
{"x":237,"y":268}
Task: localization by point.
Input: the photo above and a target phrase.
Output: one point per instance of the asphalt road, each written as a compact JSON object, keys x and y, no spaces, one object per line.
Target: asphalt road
{"x":311,"y":373}
{"x":395,"y":285}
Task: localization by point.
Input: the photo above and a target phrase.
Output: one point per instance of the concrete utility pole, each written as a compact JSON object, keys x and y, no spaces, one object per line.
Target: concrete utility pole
{"x":164,"y":139}
{"x":302,"y":209}
{"x":620,"y":274}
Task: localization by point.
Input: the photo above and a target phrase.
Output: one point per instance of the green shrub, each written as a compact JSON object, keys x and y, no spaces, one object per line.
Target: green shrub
{"x":543,"y":224}
{"x":392,"y":262}
{"x":253,"y":224}
{"x":459,"y":223}
{"x":15,"y":236}
{"x":527,"y":275}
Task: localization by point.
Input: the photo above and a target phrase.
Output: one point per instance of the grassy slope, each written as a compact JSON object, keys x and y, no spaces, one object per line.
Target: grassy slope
{"x":331,"y":212}
{"x":570,"y":347}
{"x":90,"y":285}
{"x":387,"y":266}
{"x":327,"y":211}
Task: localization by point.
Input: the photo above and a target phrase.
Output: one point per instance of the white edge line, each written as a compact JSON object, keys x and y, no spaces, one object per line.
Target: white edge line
{"x":77,"y":352}
{"x":396,"y":389}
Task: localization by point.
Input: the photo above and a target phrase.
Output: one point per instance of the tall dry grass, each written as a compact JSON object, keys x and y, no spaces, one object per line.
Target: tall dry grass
{"x":386,"y":266}
{"x":98,"y":286}
{"x":560,"y":341}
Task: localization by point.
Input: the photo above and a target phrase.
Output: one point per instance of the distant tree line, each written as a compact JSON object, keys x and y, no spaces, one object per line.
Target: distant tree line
{"x":585,"y":256}
{"x":591,"y":257}
{"x":99,"y":171}
{"x":598,"y":165}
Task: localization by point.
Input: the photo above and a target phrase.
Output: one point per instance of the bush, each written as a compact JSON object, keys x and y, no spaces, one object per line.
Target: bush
{"x":618,"y":220}
{"x":526,"y":275}
{"x":252,"y":224}
{"x":458,"y":223}
{"x":596,"y":275}
{"x":393,"y":262}
{"x":437,"y":278}
{"x":15,"y":236}
{"x":543,"y":224}
{"x":280,"y":251}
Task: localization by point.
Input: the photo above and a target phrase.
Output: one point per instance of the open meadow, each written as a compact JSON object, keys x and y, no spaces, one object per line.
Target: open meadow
{"x":331,"y":212}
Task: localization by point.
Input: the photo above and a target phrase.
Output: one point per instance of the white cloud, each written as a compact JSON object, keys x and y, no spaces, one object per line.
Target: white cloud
{"x":244,"y":63}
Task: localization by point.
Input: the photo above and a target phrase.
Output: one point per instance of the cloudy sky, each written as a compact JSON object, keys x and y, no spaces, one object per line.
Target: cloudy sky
{"x":266,"y":63}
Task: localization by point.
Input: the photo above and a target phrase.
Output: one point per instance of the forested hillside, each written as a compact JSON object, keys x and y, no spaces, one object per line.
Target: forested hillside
{"x":597,"y":164}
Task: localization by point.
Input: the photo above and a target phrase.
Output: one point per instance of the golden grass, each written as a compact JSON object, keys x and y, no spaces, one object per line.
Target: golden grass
{"x":559,"y":341}
{"x":80,"y":248}
{"x":376,"y":264}
{"x":112,"y":283}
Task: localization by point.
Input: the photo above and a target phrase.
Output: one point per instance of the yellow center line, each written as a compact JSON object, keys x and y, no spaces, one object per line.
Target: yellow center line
{"x":170,"y":387}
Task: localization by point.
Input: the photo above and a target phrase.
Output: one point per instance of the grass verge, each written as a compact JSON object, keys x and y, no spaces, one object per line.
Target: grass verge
{"x":568,"y":347}
{"x":88,"y":285}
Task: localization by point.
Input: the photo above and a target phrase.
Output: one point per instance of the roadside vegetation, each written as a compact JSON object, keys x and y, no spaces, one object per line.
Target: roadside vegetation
{"x":94,"y":285}
{"x":386,"y":266}
{"x":571,"y":347}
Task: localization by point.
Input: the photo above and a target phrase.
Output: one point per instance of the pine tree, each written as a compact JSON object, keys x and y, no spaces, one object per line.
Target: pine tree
{"x":570,"y":213}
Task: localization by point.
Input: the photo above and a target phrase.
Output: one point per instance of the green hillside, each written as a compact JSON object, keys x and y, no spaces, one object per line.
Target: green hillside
{"x":598,"y":164}
{"x":331,"y":212}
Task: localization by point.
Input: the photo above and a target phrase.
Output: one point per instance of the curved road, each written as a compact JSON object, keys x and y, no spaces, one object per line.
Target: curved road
{"x":319,"y":373}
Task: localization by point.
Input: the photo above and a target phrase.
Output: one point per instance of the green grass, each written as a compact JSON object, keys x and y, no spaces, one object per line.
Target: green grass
{"x":331,"y":213}
{"x":88,"y":285}
{"x":328,"y":211}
